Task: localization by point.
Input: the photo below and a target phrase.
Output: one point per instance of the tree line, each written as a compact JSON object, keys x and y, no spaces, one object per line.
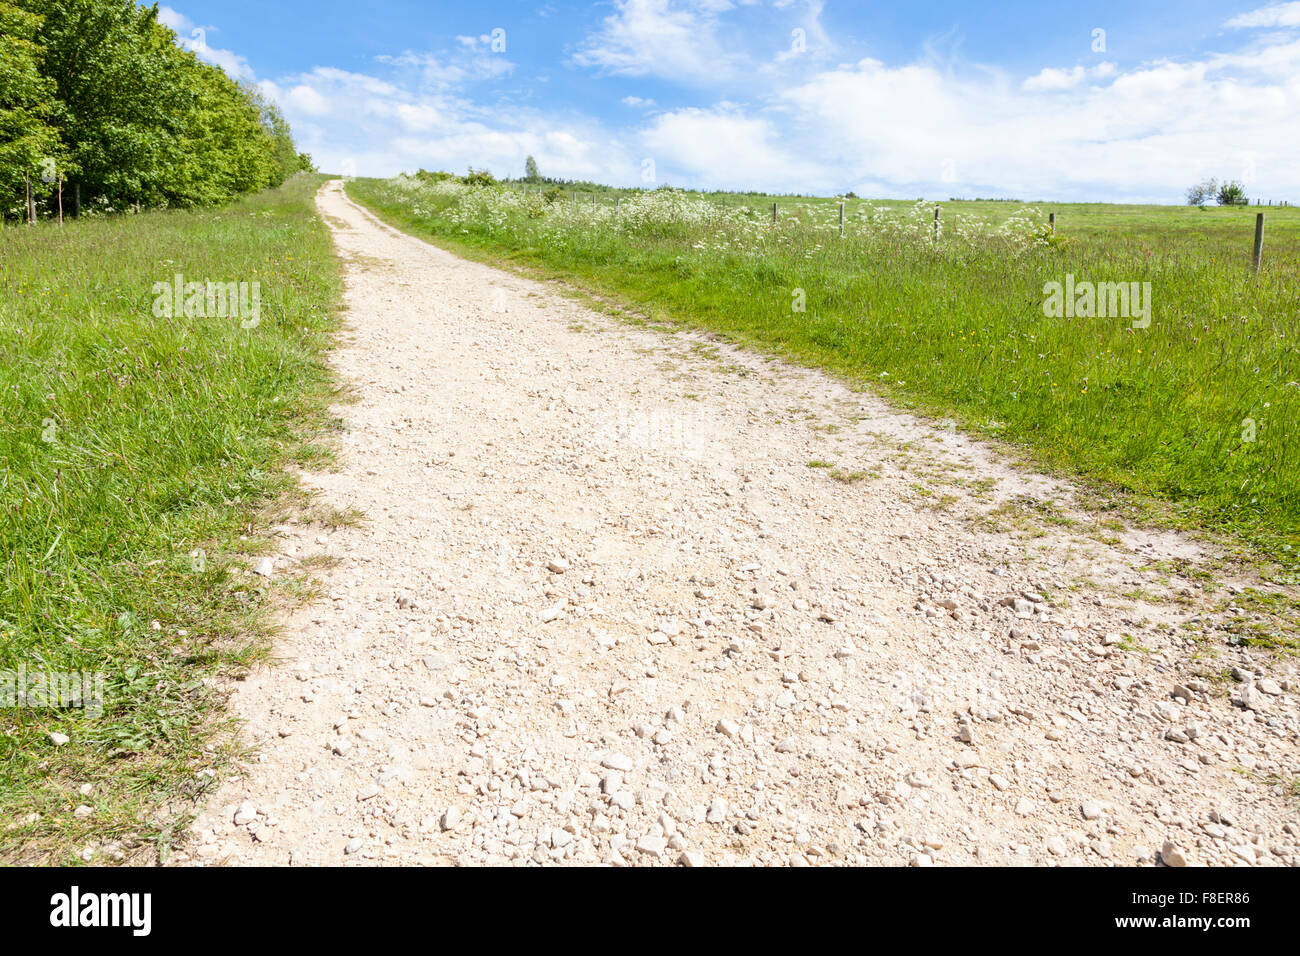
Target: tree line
{"x":99,"y":104}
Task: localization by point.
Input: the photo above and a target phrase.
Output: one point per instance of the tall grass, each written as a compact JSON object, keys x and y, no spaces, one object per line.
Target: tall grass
{"x":136,"y":454}
{"x":1162,"y":416}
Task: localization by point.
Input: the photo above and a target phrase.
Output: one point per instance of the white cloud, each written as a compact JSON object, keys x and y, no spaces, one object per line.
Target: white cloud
{"x":935,"y":127}
{"x":445,"y":71}
{"x":659,"y":38}
{"x":193,"y":37}
{"x":1273,"y":15}
{"x":378,"y":127}
{"x":1054,"y":79}
{"x":174,"y":19}
{"x":717,"y":148}
{"x":1143,"y":136}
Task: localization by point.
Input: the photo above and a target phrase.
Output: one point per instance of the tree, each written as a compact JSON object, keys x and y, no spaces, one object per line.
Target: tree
{"x":141,"y":120}
{"x":284,"y":152}
{"x":120,"y":106}
{"x":1232,"y":193}
{"x":28,"y":138}
{"x":1202,"y":192}
{"x":531,"y":173}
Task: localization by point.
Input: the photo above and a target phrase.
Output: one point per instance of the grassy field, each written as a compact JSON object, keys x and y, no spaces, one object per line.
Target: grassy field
{"x":141,"y":456}
{"x":1189,"y":419}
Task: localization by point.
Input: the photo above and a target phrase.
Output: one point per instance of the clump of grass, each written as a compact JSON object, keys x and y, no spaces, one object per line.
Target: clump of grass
{"x":137,"y":453}
{"x":1197,"y":412}
{"x":1258,"y":618}
{"x":851,"y":477}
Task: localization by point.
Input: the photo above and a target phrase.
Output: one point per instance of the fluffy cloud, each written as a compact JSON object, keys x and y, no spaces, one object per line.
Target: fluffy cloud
{"x":1053,"y":79}
{"x":1089,"y":131}
{"x":195,"y":38}
{"x":1274,"y":15}
{"x":360,"y":123}
{"x":660,"y":38}
{"x":718,"y":148}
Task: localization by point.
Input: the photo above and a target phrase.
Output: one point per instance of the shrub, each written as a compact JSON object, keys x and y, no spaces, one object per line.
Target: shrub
{"x":479,"y":178}
{"x":1232,"y":194}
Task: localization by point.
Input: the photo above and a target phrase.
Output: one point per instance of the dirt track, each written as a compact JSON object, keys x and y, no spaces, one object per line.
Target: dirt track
{"x":601,"y":609}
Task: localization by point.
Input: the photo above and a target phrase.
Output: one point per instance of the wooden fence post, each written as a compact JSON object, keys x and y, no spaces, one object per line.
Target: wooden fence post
{"x":60,"y":200}
{"x":1051,"y":222}
{"x":774,"y":214}
{"x":841,"y":220}
{"x":936,"y":224}
{"x":1259,"y":240}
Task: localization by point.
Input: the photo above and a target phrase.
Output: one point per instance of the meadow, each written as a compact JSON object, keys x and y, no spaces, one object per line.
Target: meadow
{"x":143,"y":458}
{"x":1186,"y":420}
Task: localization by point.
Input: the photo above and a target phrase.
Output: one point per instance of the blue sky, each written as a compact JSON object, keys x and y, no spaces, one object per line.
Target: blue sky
{"x":933,"y":99}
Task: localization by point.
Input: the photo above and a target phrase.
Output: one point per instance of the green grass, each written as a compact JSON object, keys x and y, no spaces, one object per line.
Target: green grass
{"x":1155,"y":420}
{"x":141,"y":460}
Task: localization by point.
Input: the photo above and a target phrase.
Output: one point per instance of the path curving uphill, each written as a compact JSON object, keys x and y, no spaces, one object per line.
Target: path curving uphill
{"x":629,"y":596}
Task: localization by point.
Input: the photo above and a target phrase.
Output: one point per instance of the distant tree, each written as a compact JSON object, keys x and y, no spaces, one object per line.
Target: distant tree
{"x":1203,"y":192}
{"x":479,"y":177}
{"x":1232,"y":193}
{"x":531,"y":173}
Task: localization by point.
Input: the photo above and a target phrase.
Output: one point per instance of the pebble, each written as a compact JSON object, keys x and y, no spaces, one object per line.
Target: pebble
{"x":652,"y":845}
{"x":1171,"y":855}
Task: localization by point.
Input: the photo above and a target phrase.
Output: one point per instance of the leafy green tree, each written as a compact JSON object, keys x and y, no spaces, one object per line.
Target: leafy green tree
{"x":531,"y":173}
{"x":121,"y":108}
{"x":283,"y":150}
{"x":28,"y":138}
{"x":141,"y":119}
{"x":1231,"y":193}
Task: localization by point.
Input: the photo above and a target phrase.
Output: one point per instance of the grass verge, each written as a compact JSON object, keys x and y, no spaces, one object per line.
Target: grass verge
{"x":142,"y":455}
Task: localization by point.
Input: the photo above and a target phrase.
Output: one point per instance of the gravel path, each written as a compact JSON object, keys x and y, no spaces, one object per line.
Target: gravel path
{"x":601,"y":609}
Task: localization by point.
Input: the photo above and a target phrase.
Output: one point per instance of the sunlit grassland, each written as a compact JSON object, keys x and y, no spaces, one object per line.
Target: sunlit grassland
{"x":1190,"y":421}
{"x":138,"y":456}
